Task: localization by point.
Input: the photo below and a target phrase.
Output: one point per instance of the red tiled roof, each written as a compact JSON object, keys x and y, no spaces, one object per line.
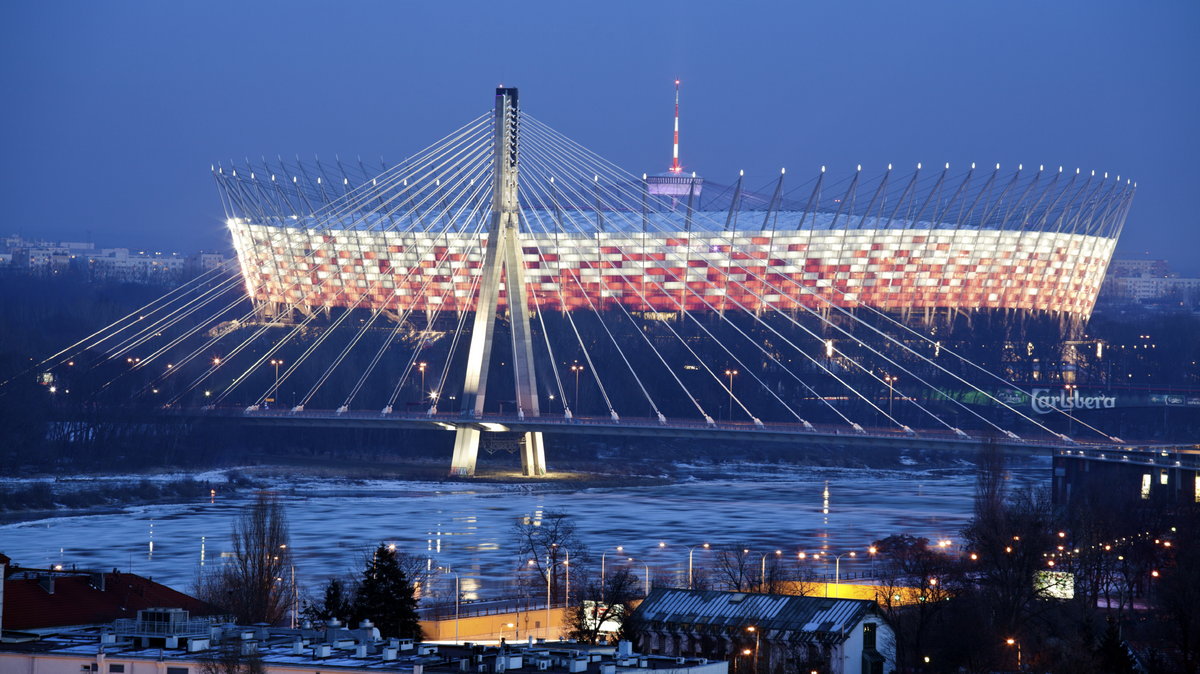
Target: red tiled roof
{"x":76,"y":601}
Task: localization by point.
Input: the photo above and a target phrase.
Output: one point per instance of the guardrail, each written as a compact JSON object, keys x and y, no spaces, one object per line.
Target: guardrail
{"x":153,"y":628}
{"x":1160,"y":458}
{"x":455,"y":418}
{"x":484,"y":607}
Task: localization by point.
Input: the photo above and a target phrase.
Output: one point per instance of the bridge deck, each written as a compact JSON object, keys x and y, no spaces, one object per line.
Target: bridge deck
{"x":721,"y":430}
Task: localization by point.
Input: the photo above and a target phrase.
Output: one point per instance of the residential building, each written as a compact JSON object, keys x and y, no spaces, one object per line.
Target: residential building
{"x":170,"y":641}
{"x":1147,"y":280}
{"x":47,"y":258}
{"x":766,"y":632}
{"x":35,"y":600}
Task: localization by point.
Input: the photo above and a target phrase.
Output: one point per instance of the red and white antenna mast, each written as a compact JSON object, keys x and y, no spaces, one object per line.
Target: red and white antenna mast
{"x":675,"y":167}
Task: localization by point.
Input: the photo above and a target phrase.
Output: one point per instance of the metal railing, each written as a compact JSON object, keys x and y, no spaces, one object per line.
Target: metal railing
{"x":132,"y":627}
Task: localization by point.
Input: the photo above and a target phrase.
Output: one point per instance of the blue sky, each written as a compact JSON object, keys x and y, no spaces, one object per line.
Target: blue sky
{"x":113,"y":111}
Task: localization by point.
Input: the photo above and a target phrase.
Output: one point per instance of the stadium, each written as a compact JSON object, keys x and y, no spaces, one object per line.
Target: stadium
{"x":411,"y":237}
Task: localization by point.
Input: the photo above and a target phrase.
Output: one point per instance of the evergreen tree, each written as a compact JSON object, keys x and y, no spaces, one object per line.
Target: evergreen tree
{"x":335,"y":603}
{"x":386,"y":597}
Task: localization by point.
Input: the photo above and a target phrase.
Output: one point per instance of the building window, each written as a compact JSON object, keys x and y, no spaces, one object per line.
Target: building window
{"x":177,"y":670}
{"x":116,"y":669}
{"x":868,"y":635}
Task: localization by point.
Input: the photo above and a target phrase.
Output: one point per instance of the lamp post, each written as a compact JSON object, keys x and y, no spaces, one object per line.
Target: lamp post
{"x":603,"y":590}
{"x":275,"y":393}
{"x":421,"y":369}
{"x":763,"y":573}
{"x":754,"y":630}
{"x":457,"y":594}
{"x":549,"y":575}
{"x":1070,"y":388}
{"x":691,"y":549}
{"x":891,"y":382}
{"x":731,"y":374}
{"x":837,"y":566}
{"x":1013,"y":642}
{"x":576,"y":368}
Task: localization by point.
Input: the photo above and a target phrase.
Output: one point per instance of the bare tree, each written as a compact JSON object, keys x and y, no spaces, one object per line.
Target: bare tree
{"x":601,"y":609}
{"x":545,"y":543}
{"x":736,"y":568}
{"x":255,"y":584}
{"x":915,"y":583}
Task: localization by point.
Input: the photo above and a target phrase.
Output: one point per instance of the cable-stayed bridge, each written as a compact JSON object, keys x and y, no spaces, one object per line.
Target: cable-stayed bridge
{"x":648,"y":305}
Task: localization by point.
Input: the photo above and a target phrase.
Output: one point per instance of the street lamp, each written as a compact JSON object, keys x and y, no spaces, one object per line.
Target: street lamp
{"x":457,"y":595}
{"x":891,"y":382}
{"x":731,"y":374}
{"x":837,"y":566}
{"x":602,"y":570}
{"x":691,"y":549}
{"x":1013,"y":642}
{"x":763,"y":573}
{"x":421,"y":369}
{"x":276,"y":362}
{"x":577,"y":368}
{"x":1070,"y":418}
{"x":754,"y":630}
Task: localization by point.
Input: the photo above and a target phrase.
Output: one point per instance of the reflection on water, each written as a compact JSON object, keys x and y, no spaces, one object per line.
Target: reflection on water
{"x":468,"y":530}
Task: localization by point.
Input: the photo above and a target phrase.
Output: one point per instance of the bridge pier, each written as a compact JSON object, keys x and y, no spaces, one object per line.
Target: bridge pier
{"x":466,"y":452}
{"x":533,"y":455}
{"x":502,"y":259}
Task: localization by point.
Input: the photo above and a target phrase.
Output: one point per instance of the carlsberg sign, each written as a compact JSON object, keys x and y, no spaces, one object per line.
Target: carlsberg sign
{"x":1044,"y":400}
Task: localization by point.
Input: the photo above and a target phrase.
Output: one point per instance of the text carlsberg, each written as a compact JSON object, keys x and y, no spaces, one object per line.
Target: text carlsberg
{"x":1043,"y":400}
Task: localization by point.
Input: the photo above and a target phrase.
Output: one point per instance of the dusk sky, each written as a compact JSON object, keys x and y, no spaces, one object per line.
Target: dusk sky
{"x":114,"y":111}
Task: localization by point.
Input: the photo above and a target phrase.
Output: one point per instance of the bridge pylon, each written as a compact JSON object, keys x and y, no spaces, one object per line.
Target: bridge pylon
{"x":502,"y":255}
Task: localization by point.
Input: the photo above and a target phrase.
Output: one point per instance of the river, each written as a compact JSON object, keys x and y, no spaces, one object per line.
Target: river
{"x":469,"y":527}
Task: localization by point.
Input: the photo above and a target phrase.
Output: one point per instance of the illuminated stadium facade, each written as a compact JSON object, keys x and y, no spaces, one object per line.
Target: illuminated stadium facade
{"x":312,"y":236}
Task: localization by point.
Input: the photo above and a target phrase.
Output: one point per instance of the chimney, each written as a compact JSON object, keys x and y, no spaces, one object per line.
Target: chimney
{"x":389,"y":653}
{"x":297,"y":647}
{"x":624,"y":648}
{"x":360,"y":651}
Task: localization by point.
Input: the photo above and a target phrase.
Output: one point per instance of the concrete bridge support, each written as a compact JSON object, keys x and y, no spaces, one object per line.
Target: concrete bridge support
{"x":502,"y":259}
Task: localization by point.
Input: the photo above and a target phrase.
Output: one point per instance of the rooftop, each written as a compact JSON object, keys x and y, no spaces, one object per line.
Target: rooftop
{"x":334,"y":647}
{"x":815,"y":615}
{"x":38,"y":599}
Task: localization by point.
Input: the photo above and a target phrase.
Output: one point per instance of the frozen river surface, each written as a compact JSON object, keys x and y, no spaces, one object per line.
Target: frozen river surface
{"x":469,"y":527}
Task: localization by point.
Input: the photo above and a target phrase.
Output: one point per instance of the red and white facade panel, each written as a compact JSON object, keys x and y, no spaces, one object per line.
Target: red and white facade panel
{"x":890,"y":269}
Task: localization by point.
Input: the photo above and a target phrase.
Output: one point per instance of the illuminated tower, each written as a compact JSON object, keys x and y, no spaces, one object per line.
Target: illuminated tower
{"x":673,"y":183}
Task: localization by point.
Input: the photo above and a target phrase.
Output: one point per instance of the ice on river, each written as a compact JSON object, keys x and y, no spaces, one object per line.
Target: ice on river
{"x":468,"y":528}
